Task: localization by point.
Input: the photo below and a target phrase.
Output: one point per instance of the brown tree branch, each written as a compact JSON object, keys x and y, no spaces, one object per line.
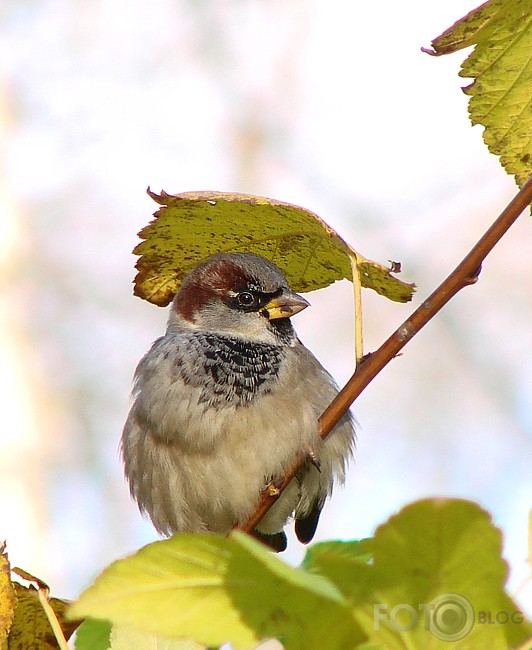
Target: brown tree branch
{"x":464,"y":274}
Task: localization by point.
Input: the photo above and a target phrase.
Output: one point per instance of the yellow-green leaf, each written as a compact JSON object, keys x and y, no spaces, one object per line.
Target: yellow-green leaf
{"x":501,"y":66}
{"x":448,"y":555}
{"x":469,"y":30}
{"x":436,"y":578}
{"x":213,"y":589}
{"x":191,"y":226}
{"x":8,"y":599}
{"x":174,"y":588}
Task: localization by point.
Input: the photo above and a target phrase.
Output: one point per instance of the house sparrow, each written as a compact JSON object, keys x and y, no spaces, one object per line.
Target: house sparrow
{"x":227,"y":400}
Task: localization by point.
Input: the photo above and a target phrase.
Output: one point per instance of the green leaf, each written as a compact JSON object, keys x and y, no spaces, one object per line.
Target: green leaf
{"x":379,"y":278}
{"x":93,"y":634}
{"x":302,"y":610}
{"x":176,"y":587}
{"x":191,"y":226}
{"x":345,"y":564}
{"x":501,"y":66}
{"x":435,"y":572}
{"x":214,"y":590}
{"x":438,"y":574}
{"x":351,"y":551}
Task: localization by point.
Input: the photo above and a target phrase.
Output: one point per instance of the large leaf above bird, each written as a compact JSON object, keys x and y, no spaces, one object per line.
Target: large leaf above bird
{"x":191,"y":226}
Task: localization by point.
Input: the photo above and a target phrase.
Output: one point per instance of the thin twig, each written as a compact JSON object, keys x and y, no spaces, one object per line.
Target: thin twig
{"x":464,"y":274}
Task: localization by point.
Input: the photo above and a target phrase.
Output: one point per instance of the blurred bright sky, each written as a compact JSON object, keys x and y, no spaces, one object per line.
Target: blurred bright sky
{"x":327,"y":104}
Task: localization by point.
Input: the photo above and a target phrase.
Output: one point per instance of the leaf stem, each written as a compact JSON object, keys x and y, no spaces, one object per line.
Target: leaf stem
{"x":52,"y":618}
{"x":357,"y":304}
{"x":464,"y":274}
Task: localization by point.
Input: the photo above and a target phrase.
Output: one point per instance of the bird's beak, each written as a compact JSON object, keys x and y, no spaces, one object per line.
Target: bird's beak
{"x":285,"y":305}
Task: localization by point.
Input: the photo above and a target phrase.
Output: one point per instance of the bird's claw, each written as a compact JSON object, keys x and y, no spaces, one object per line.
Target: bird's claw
{"x":311,"y":455}
{"x":274,"y":486}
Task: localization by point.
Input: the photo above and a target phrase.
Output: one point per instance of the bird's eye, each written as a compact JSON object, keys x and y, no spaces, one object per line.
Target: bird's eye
{"x":245,"y":299}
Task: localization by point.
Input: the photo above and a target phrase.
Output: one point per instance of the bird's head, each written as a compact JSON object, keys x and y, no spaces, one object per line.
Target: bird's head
{"x":237,"y":294}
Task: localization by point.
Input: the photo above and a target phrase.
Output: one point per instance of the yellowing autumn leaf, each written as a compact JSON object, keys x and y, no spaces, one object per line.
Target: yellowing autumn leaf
{"x":501,"y":66}
{"x":31,"y":627}
{"x":191,"y":226}
{"x":8,"y":600}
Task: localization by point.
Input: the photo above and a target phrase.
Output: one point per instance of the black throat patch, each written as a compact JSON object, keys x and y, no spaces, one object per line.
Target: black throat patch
{"x":231,"y":369}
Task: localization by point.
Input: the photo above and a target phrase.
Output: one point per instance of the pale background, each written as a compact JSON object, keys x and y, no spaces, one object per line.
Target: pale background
{"x":327,"y":104}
